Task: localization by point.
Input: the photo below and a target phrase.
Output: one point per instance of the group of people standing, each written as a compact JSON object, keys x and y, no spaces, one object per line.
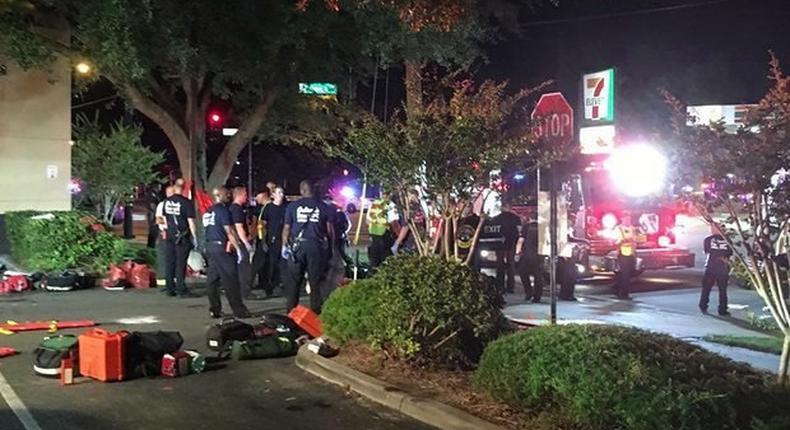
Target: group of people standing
{"x":272,"y":243}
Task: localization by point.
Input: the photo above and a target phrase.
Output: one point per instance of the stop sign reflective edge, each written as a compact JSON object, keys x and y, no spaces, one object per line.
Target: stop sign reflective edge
{"x":554,"y":119}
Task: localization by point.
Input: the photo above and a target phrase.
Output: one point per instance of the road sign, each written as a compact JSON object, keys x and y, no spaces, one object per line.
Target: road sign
{"x":318,"y":88}
{"x":554,"y":119}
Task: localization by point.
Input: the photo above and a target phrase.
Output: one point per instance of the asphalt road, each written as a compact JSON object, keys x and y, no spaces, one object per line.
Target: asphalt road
{"x":234,"y":395}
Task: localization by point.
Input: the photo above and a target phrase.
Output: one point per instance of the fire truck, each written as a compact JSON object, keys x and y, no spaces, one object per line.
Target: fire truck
{"x":598,"y":192}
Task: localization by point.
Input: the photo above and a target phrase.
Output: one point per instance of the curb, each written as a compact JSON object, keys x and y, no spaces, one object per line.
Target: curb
{"x":426,"y":410}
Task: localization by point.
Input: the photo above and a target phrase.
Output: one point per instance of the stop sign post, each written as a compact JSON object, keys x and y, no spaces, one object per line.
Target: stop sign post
{"x":553,"y":123}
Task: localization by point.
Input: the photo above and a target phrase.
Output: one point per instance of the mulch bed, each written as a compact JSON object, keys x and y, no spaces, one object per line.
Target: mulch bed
{"x":450,"y":387}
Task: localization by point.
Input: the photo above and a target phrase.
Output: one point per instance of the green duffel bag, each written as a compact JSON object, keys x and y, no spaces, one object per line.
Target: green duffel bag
{"x":264,"y":347}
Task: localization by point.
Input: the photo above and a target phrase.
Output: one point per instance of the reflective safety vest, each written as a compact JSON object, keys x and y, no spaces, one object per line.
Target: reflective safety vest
{"x":377,"y":216}
{"x":626,"y":240}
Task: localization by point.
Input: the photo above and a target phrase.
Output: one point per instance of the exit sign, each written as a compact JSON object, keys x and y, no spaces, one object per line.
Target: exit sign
{"x":318,"y":88}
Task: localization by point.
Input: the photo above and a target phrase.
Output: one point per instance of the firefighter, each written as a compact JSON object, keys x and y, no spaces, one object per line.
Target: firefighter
{"x":381,"y":240}
{"x":506,"y":256}
{"x":531,"y":263}
{"x":717,"y":270}
{"x":238,"y":215}
{"x":161,"y":240}
{"x":308,"y":237}
{"x":626,"y":238}
{"x":222,"y":259}
{"x":262,"y":199}
{"x":179,"y":214}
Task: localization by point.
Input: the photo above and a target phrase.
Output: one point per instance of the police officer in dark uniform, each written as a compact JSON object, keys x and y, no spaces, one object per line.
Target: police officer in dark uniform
{"x":221,"y":258}
{"x":506,"y":256}
{"x":238,"y":215}
{"x":717,"y":270}
{"x":307,"y":237}
{"x":531,"y":263}
{"x":179,"y":214}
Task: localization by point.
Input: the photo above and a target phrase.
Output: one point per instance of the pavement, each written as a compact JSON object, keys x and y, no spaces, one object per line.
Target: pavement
{"x":663,"y":302}
{"x":233,"y":395}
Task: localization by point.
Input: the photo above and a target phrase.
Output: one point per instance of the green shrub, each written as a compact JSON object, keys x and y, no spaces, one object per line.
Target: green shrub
{"x":622,"y":378}
{"x":64,"y":242}
{"x":350,"y":312}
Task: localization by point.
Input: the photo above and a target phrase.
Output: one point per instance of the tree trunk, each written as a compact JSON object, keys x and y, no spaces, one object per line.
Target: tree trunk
{"x":413,"y":83}
{"x":247,"y":130}
{"x":784,"y":362}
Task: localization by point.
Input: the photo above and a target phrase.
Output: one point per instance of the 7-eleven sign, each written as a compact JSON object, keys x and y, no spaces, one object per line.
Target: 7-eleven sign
{"x":599,"y":96}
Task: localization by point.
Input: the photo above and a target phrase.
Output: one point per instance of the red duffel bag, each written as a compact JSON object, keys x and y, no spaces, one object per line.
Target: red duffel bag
{"x":140,"y":276}
{"x":116,"y":279}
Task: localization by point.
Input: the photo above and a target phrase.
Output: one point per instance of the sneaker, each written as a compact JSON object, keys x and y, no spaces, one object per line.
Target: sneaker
{"x":215,"y":314}
{"x":189,"y":295}
{"x":724,"y":314}
{"x":704,"y":310}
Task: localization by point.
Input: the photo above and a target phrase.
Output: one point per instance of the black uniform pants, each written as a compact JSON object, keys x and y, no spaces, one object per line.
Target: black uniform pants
{"x":161,"y":262}
{"x":379,"y":249}
{"x":269,"y":277}
{"x":176,"y":255}
{"x":720,"y":277}
{"x":622,"y":284}
{"x":222,"y":273}
{"x":311,"y":258}
{"x":566,"y":276}
{"x":259,"y":264}
{"x":506,"y":268}
{"x":246,"y":273}
{"x":532,"y":267}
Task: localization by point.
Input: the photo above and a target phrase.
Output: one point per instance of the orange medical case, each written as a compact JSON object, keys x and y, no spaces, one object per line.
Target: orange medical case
{"x":307,"y":320}
{"x":102,"y":354}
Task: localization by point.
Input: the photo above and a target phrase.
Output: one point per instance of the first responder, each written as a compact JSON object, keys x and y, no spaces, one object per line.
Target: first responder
{"x":717,"y":270}
{"x":238,"y":215}
{"x":262,"y":199}
{"x":179,"y":213}
{"x":509,"y":223}
{"x":531,"y":263}
{"x":626,"y":238}
{"x":222,"y":258}
{"x":307,"y":241}
{"x":273,"y":219}
{"x":381,"y":240}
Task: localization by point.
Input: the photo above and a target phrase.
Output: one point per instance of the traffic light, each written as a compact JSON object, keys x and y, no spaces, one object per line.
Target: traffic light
{"x":215,"y":119}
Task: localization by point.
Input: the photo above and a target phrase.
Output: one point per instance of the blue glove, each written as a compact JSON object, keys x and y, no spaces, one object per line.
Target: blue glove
{"x":286,"y":253}
{"x":394,"y":249}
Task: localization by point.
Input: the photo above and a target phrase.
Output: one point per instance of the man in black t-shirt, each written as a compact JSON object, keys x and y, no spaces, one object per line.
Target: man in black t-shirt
{"x":531,"y":263}
{"x":307,"y":236}
{"x":222,"y":269}
{"x":506,"y":257}
{"x":179,"y":213}
{"x":272,"y":218}
{"x":238,"y":215}
{"x":717,"y":270}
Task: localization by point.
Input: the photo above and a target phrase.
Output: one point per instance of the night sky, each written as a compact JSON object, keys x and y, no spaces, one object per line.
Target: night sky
{"x":704,"y":52}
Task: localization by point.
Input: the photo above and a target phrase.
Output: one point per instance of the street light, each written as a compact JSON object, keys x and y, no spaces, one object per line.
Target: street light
{"x":83,"y":68}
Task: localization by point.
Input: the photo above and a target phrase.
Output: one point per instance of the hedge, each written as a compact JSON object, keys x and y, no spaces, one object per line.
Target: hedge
{"x":606,"y":377}
{"x":419,"y":309}
{"x":66,"y":241}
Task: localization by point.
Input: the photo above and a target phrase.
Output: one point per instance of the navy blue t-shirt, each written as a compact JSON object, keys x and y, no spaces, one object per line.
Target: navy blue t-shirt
{"x":215,"y":220}
{"x":309,"y":216}
{"x":239,"y":216}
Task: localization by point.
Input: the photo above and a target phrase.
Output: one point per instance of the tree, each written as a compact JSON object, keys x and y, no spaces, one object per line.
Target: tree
{"x":110,"y":164}
{"x":749,"y":198}
{"x":442,"y":157}
{"x":172,"y":58}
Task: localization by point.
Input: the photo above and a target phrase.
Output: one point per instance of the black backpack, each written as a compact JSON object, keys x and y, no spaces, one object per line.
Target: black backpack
{"x":219,"y":337}
{"x":51,"y":351}
{"x":144,"y":351}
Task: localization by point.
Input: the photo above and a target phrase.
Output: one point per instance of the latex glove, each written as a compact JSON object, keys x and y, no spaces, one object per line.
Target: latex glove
{"x":394,"y":249}
{"x":285,"y":253}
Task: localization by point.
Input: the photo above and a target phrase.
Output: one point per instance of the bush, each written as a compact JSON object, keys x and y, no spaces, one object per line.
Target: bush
{"x":421,"y":309}
{"x":63,"y":242}
{"x":350,"y":312}
{"x":623,"y":378}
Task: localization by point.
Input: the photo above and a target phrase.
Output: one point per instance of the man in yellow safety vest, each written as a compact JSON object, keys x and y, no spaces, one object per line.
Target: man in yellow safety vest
{"x":379,"y":216}
{"x":626,"y":239}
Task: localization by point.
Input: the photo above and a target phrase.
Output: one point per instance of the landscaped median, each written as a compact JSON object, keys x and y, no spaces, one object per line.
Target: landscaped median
{"x":426,"y":332}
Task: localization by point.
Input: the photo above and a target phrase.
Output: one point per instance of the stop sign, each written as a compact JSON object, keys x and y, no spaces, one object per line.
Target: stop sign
{"x":553,"y":118}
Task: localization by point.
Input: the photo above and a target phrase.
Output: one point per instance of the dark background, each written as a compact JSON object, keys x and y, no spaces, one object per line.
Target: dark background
{"x":703,"y":52}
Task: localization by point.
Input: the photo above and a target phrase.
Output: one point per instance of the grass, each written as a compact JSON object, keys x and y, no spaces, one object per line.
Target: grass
{"x":772,"y":344}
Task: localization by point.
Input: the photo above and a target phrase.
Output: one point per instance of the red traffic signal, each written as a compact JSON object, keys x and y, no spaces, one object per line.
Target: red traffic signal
{"x":215,"y":118}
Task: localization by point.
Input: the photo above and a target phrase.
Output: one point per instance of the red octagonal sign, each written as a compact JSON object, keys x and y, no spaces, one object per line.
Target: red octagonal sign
{"x":553,"y":118}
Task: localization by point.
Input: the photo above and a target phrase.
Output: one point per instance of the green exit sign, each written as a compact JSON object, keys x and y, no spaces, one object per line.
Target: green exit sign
{"x":318,"y":88}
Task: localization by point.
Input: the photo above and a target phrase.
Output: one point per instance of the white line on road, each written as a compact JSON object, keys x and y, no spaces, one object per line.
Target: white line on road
{"x":16,"y":405}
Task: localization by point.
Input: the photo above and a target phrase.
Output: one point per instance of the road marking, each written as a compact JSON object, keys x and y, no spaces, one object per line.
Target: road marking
{"x":16,"y":405}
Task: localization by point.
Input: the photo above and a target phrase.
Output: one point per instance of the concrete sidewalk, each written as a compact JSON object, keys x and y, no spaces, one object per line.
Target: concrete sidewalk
{"x":648,"y":314}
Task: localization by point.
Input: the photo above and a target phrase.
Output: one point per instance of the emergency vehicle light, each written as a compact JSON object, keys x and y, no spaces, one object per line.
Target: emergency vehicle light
{"x":637,"y":170}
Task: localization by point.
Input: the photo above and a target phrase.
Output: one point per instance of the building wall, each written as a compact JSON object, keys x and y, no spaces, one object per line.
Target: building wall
{"x":35,"y":136}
